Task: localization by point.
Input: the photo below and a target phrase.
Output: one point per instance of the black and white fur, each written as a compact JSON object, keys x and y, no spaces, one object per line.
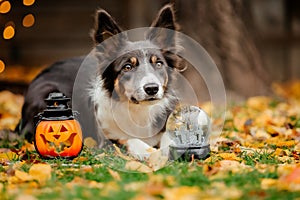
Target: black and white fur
{"x":132,"y":97}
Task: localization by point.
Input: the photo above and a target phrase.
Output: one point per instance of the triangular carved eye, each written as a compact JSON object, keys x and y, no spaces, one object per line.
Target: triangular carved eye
{"x":50,"y":130}
{"x":63,"y":129}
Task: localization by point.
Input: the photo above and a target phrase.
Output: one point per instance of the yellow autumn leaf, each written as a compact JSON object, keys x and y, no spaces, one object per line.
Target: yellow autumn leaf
{"x":290,"y":179}
{"x":289,"y":90}
{"x":157,"y":160}
{"x":40,"y":172}
{"x":110,"y":187}
{"x":78,"y":181}
{"x":182,"y":193}
{"x":28,"y":147}
{"x":231,"y":165}
{"x":229,"y":156}
{"x":137,"y":166}
{"x":268,"y":183}
{"x":278,"y":152}
{"x":285,"y":143}
{"x":8,"y":156}
{"x":120,"y":154}
{"x":23,"y":176}
{"x":258,"y":102}
{"x":90,"y":142}
{"x":239,"y":122}
{"x":134,"y":186}
{"x":25,"y":197}
{"x":114,"y":174}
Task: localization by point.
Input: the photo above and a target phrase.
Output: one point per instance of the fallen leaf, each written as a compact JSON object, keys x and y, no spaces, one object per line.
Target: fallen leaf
{"x":144,"y":197}
{"x":109,"y":188}
{"x":229,"y":156}
{"x":28,"y":147}
{"x":114,"y":174}
{"x":285,"y":169}
{"x":182,"y":193}
{"x":120,"y":154}
{"x":268,"y":183}
{"x":290,"y":89}
{"x":135,"y":186}
{"x":23,"y":176}
{"x":25,"y":197}
{"x":79,"y":159}
{"x":40,"y":172}
{"x":293,"y":177}
{"x":290,"y":181}
{"x":137,"y":166}
{"x":157,"y":160}
{"x":89,"y":142}
{"x":285,"y":143}
{"x":8,"y":156}
{"x":77,"y":181}
{"x":258,"y":102}
{"x":231,"y":165}
{"x":154,"y":188}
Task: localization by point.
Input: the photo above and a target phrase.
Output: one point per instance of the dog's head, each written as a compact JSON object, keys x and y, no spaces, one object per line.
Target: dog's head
{"x":143,"y":73}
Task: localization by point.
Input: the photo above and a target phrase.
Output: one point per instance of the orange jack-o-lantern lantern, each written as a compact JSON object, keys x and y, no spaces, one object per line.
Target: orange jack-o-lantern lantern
{"x":58,"y":138}
{"x":58,"y":133}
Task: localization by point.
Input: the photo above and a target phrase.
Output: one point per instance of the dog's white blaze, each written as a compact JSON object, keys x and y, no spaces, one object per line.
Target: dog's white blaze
{"x":151,"y":78}
{"x":139,"y":93}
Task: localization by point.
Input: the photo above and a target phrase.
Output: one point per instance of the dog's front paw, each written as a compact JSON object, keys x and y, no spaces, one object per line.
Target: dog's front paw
{"x":139,"y":149}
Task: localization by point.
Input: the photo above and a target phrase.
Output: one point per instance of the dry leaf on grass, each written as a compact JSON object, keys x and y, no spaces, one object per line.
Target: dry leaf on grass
{"x":120,"y":154}
{"x":8,"y":156}
{"x":90,"y":142}
{"x":137,"y":166}
{"x":23,"y":176}
{"x":258,"y":103}
{"x":157,"y":160}
{"x":114,"y":174}
{"x":25,"y":197}
{"x":182,"y":193}
{"x":40,"y":172}
{"x":229,"y":156}
{"x":268,"y":183}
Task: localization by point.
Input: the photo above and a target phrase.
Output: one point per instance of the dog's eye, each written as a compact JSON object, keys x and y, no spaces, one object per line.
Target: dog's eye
{"x":159,"y":64}
{"x":127,"y":67}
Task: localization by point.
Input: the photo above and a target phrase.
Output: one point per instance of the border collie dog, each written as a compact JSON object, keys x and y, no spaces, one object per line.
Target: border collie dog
{"x":132,"y":97}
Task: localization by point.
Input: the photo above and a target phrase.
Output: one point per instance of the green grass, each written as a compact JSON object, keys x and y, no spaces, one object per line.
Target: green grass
{"x":259,"y":156}
{"x":65,"y":171}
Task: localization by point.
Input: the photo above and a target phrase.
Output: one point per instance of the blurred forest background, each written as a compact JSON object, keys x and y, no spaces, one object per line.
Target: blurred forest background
{"x":253,"y":42}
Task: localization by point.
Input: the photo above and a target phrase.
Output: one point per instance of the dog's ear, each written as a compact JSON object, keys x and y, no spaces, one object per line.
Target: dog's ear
{"x":105,"y":26}
{"x":166,"y":18}
{"x":163,"y":34}
{"x":164,"y":29}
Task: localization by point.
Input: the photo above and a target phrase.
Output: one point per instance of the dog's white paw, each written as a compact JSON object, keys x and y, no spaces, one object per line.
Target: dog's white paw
{"x":139,"y":149}
{"x":165,"y":142}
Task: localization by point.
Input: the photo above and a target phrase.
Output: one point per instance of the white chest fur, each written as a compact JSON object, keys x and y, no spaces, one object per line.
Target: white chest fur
{"x":126,"y":120}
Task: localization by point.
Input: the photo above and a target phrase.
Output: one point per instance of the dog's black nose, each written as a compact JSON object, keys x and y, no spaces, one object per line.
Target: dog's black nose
{"x":151,"y":88}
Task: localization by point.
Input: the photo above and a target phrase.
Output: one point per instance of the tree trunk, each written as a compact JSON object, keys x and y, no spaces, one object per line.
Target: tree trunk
{"x":221,"y":28}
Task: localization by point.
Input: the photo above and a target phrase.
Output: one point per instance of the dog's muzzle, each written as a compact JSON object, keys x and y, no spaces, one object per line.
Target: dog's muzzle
{"x":149,"y":92}
{"x":151,"y":89}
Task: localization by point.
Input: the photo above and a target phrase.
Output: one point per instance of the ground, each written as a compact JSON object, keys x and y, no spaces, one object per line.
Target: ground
{"x":256,"y":157}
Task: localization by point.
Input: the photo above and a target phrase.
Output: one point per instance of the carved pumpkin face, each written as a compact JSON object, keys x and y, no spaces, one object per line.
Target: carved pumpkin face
{"x":58,"y":138}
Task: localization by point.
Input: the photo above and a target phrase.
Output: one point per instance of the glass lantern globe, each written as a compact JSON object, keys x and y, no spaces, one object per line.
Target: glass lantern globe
{"x":189,"y":128}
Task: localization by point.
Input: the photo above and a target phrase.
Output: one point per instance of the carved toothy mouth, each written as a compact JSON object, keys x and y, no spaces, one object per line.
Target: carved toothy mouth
{"x":57,"y":145}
